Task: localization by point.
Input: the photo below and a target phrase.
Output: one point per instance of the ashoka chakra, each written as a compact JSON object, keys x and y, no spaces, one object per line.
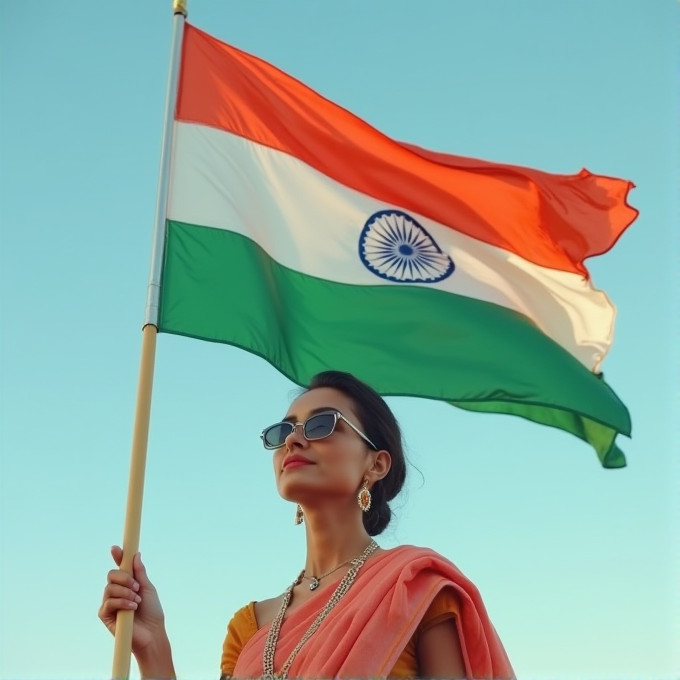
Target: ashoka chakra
{"x":394,"y":246}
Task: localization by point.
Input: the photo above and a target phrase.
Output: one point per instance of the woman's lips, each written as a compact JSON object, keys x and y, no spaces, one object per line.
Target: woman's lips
{"x":296,"y":461}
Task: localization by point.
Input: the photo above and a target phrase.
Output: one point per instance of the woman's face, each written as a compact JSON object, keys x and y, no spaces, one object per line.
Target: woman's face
{"x":336,"y":465}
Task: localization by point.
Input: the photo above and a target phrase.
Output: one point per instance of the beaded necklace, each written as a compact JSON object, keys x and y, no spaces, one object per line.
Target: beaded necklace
{"x":340,"y":592}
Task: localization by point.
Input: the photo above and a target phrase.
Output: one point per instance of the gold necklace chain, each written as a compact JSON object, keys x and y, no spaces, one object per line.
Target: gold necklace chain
{"x":315,"y":579}
{"x":273,"y":636}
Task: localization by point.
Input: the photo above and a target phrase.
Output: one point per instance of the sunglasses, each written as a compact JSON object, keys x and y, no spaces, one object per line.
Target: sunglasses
{"x":318,"y":426}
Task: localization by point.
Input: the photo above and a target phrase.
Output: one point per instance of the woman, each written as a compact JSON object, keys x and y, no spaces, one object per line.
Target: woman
{"x":355,"y":610}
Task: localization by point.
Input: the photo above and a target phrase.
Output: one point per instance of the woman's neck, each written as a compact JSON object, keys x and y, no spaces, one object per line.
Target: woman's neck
{"x":332,"y":538}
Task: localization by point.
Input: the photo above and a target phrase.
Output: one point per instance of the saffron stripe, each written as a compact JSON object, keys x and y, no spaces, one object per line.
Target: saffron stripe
{"x":554,"y":221}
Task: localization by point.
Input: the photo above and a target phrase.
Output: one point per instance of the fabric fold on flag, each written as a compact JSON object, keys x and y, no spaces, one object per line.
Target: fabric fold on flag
{"x":299,"y":233}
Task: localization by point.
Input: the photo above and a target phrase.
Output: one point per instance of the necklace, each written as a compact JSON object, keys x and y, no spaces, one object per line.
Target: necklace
{"x":315,"y":579}
{"x":340,"y":591}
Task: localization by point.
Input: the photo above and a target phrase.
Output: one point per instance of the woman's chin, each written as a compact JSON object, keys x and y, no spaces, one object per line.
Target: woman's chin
{"x":305,"y":492}
{"x":298,"y":493}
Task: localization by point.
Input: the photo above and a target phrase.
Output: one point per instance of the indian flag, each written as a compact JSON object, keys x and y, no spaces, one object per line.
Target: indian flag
{"x":298,"y":232}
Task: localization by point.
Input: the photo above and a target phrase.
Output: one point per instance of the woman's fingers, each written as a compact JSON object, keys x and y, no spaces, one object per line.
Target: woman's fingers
{"x":138,"y":567}
{"x":140,"y":571}
{"x":115,"y":599}
{"x":114,"y":604}
{"x":122,"y":578}
{"x":117,"y":554}
{"x":115,"y":591}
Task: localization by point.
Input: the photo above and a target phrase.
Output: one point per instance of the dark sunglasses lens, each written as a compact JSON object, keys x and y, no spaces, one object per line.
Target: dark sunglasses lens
{"x":318,"y":427}
{"x":275,"y":435}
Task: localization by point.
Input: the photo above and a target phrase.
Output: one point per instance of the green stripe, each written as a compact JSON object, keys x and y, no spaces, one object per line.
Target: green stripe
{"x":402,"y":340}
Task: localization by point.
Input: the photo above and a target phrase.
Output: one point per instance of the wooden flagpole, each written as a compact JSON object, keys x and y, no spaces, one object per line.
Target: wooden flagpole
{"x":140,"y":437}
{"x":133,"y":513}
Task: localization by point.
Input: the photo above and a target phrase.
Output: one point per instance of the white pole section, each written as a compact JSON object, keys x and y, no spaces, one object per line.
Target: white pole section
{"x":158,"y":241}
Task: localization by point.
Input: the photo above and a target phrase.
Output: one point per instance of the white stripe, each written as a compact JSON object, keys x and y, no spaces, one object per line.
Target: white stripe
{"x":311,"y":223}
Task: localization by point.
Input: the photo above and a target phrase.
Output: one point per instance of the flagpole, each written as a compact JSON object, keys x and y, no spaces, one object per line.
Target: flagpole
{"x":140,"y":436}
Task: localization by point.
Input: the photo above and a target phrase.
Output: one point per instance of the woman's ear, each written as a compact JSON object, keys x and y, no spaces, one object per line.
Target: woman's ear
{"x":382,"y":462}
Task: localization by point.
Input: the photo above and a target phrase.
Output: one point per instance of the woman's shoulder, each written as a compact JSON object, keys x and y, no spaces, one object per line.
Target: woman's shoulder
{"x":265,"y":610}
{"x":256,"y":613}
{"x":413,"y":558}
{"x":244,"y":619}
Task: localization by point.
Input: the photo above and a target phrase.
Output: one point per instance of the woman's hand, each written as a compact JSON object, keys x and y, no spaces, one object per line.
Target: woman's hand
{"x":122,"y":591}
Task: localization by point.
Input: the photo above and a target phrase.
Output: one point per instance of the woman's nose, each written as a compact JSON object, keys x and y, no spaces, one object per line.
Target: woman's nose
{"x":296,"y":437}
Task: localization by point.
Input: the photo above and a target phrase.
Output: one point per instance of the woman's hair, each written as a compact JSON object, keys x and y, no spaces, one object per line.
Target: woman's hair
{"x":381,"y":427}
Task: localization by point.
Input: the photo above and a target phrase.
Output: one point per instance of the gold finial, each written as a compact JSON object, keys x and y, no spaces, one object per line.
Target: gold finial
{"x":179,"y":7}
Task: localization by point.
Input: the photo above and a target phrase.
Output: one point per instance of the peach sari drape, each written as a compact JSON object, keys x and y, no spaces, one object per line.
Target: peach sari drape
{"x":366,"y":632}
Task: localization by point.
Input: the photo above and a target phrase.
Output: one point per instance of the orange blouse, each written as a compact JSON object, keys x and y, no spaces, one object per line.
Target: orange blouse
{"x":243,"y":626}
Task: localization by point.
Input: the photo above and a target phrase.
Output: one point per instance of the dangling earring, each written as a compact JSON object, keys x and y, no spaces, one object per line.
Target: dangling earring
{"x":364,"y":497}
{"x":299,"y":516}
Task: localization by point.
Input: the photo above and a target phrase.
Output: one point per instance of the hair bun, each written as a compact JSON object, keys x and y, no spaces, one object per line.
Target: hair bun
{"x":377,"y":519}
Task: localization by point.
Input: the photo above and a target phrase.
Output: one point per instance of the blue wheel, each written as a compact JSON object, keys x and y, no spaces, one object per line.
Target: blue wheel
{"x":395,"y":247}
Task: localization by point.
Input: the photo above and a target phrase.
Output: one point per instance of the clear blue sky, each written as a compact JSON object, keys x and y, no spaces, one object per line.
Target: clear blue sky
{"x":579,"y":566}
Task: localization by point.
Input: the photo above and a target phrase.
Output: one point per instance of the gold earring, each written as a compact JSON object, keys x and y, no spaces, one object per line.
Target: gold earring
{"x":364,"y":497}
{"x":299,"y":516}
